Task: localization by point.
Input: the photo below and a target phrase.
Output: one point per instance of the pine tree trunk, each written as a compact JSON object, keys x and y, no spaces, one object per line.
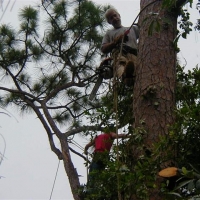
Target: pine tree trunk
{"x":70,"y":170}
{"x":154,"y":90}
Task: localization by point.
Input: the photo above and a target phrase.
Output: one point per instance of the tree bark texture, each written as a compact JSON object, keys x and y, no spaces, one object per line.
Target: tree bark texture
{"x":70,"y":170}
{"x":154,"y":89}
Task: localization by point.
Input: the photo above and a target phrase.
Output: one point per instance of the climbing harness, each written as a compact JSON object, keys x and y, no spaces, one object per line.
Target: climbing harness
{"x":105,"y":69}
{"x":123,"y":48}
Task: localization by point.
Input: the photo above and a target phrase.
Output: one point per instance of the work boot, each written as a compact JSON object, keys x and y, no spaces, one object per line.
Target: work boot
{"x":128,"y":82}
{"x":129,"y":70}
{"x":128,"y":75}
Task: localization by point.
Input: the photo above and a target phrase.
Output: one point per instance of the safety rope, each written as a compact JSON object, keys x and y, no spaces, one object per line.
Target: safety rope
{"x":54,"y":180}
{"x":76,"y":144}
{"x":5,"y":10}
{"x":116,"y":119}
{"x":127,"y":31}
{"x":2,"y":155}
{"x":115,"y":88}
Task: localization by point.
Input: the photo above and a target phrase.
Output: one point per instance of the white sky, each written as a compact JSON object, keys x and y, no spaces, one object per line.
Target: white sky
{"x":29,"y":166}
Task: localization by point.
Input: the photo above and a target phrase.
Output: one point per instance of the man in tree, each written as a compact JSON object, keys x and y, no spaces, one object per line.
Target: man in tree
{"x":102,"y":145}
{"x":121,"y":42}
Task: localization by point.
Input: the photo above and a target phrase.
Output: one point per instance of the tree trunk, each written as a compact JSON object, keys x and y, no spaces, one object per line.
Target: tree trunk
{"x":70,"y":170}
{"x":154,"y":90}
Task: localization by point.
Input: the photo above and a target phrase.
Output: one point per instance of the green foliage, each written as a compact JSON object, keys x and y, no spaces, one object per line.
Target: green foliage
{"x":61,"y":119}
{"x":132,"y":168}
{"x":136,"y":169}
{"x":154,"y":27}
{"x":29,"y":21}
{"x":185,"y":135}
{"x":91,"y":19}
{"x":52,"y":75}
{"x":188,"y":184}
{"x":169,"y":4}
{"x":184,"y":23}
{"x":197,"y":26}
{"x":188,"y":115}
{"x":62,"y":61}
{"x":106,"y":113}
{"x":154,"y":22}
{"x":7,"y":37}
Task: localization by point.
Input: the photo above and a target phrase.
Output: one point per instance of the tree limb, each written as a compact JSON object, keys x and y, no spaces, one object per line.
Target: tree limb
{"x":77,"y":153}
{"x":82,"y":129}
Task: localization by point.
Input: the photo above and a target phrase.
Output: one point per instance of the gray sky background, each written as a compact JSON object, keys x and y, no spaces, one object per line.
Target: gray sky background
{"x":29,"y":167}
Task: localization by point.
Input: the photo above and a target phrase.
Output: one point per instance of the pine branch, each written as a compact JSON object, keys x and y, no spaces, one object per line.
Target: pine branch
{"x":83,"y":129}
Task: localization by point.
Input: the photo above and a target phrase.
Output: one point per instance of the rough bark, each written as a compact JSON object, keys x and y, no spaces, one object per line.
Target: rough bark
{"x":154,"y":96}
{"x":154,"y":90}
{"x":70,"y":170}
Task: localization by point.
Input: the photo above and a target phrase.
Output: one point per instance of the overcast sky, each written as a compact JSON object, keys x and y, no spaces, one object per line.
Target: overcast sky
{"x":29,"y":167}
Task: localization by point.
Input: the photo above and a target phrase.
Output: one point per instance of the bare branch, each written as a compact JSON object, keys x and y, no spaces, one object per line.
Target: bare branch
{"x":58,"y":89}
{"x":79,"y":154}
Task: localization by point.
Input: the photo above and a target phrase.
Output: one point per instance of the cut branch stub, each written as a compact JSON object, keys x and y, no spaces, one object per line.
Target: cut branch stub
{"x":169,"y":172}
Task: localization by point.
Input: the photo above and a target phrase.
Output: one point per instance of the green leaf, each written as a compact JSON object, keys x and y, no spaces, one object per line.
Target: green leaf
{"x":151,"y":26}
{"x":28,"y":13}
{"x":174,"y":193}
{"x":191,"y":185}
{"x":182,"y":184}
{"x":198,"y":184}
{"x":184,"y":170}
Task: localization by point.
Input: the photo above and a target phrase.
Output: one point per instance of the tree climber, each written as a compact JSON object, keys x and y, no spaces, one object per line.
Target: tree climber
{"x":124,"y":60}
{"x":102,"y":145}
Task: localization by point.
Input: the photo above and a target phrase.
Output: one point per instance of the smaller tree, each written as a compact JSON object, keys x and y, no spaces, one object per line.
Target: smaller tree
{"x":51,"y":74}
